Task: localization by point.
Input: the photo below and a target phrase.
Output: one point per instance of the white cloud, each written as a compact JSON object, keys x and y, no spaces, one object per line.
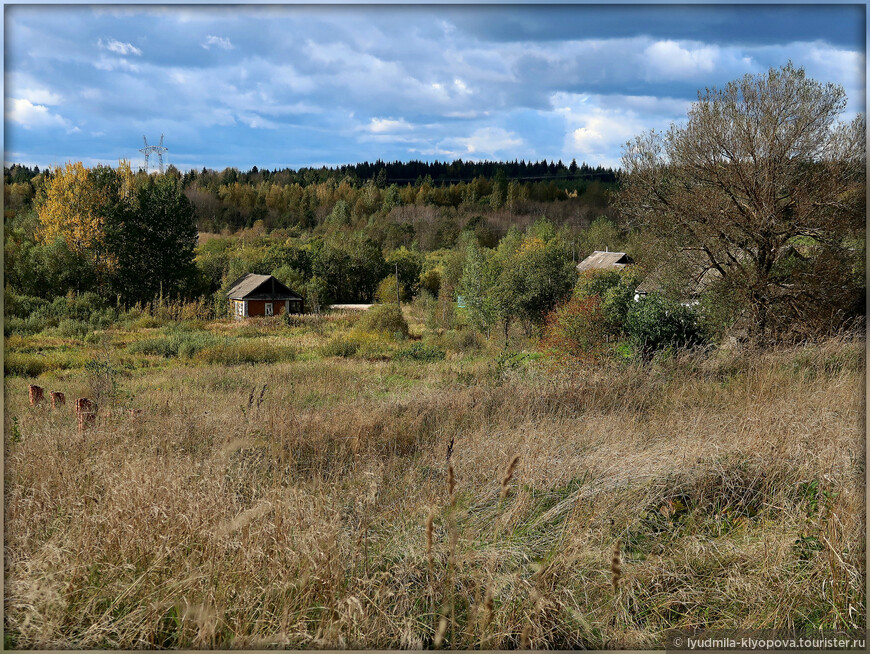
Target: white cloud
{"x":40,"y":96}
{"x":597,"y":126}
{"x":218,"y":41}
{"x":572,"y":105}
{"x":29,"y":115}
{"x":829,"y":64}
{"x":460,"y":86}
{"x":383,"y":125}
{"x":465,"y":114}
{"x":23,"y":85}
{"x":482,"y":143}
{"x":254,"y":121}
{"x":110,"y":64}
{"x":671,"y":60}
{"x":601,"y":130}
{"x":118,"y":47}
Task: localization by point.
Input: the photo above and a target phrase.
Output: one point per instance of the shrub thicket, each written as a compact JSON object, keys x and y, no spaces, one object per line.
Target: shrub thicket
{"x":602,"y":318}
{"x":655,"y":323}
{"x":420,"y":352}
{"x":340,"y":347}
{"x":386,"y":319}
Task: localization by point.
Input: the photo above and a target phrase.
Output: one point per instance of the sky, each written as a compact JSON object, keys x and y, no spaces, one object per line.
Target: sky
{"x":293,"y":86}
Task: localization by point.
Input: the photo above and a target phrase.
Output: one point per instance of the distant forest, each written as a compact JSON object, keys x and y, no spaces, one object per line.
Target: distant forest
{"x":504,"y":193}
{"x":394,"y":172}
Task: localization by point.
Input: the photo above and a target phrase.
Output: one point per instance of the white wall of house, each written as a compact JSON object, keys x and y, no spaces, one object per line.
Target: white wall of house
{"x":240,"y":308}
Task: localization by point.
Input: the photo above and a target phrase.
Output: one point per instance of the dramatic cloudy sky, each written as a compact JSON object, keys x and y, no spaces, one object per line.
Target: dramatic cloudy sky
{"x":294,"y":86}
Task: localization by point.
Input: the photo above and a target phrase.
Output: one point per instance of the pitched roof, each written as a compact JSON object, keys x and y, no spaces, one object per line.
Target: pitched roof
{"x":604,"y":260}
{"x":260,"y":287}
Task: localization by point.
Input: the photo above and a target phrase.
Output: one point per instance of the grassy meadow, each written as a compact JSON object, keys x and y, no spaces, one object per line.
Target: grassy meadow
{"x":311,"y":485}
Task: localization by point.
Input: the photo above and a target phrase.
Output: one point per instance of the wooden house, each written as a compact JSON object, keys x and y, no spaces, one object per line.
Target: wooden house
{"x":606,"y":260}
{"x":262,"y":295}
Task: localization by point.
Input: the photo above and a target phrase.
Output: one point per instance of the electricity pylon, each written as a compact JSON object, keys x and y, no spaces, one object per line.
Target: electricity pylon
{"x":148,"y":150}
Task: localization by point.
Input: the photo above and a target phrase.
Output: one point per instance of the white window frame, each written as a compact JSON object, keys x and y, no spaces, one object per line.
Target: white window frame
{"x":270,"y":309}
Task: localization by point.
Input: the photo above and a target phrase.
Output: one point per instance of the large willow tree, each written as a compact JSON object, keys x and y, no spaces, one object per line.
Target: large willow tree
{"x":766,"y":186}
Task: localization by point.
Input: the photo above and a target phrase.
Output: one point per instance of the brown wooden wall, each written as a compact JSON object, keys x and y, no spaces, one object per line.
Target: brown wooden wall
{"x":258,"y":307}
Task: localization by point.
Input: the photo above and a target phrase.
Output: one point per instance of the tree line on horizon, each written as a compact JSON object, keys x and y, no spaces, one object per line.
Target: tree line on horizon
{"x":230,"y":199}
{"x":385,"y":173}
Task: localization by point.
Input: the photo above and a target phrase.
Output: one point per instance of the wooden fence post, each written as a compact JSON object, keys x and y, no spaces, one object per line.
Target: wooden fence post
{"x":57,"y":399}
{"x":86,"y":412}
{"x":36,"y":395}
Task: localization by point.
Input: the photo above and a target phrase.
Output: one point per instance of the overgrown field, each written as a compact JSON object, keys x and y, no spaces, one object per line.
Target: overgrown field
{"x":282,"y":489}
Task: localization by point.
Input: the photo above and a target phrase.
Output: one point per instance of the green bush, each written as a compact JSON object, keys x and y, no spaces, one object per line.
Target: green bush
{"x":102,"y":380}
{"x":22,"y":306}
{"x":72,"y":328}
{"x":420,"y":352}
{"x":340,"y":347}
{"x":386,"y":319}
{"x":656,"y":323}
{"x":24,"y":326}
{"x":386,"y":292}
{"x":103,"y":319}
{"x":80,"y":307}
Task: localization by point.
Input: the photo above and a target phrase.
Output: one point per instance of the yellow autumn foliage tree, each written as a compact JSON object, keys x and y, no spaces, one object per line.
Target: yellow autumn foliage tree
{"x":72,"y":209}
{"x":74,"y":206}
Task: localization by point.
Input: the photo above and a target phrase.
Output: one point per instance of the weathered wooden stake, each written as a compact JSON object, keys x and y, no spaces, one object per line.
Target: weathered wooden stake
{"x":57,"y":399}
{"x":36,"y":395}
{"x":86,"y":412}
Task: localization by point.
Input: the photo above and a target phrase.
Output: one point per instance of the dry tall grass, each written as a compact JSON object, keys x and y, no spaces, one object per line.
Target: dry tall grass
{"x":733,"y":485}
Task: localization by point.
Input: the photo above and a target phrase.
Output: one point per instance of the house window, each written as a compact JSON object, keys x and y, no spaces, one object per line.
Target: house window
{"x":269,"y":311}
{"x":240,"y":308}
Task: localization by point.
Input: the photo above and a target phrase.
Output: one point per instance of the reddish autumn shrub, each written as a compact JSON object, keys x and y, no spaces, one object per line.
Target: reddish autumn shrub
{"x":576,"y":331}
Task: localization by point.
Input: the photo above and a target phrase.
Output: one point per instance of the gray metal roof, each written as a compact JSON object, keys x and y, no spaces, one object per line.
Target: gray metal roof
{"x":604,"y":260}
{"x":260,"y":287}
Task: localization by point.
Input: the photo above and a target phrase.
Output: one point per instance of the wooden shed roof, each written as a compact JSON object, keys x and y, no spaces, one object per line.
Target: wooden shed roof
{"x":599,"y":260}
{"x":260,"y":287}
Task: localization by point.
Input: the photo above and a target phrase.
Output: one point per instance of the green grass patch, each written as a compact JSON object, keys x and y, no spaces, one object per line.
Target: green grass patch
{"x":235,"y":352}
{"x":176,"y":344}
